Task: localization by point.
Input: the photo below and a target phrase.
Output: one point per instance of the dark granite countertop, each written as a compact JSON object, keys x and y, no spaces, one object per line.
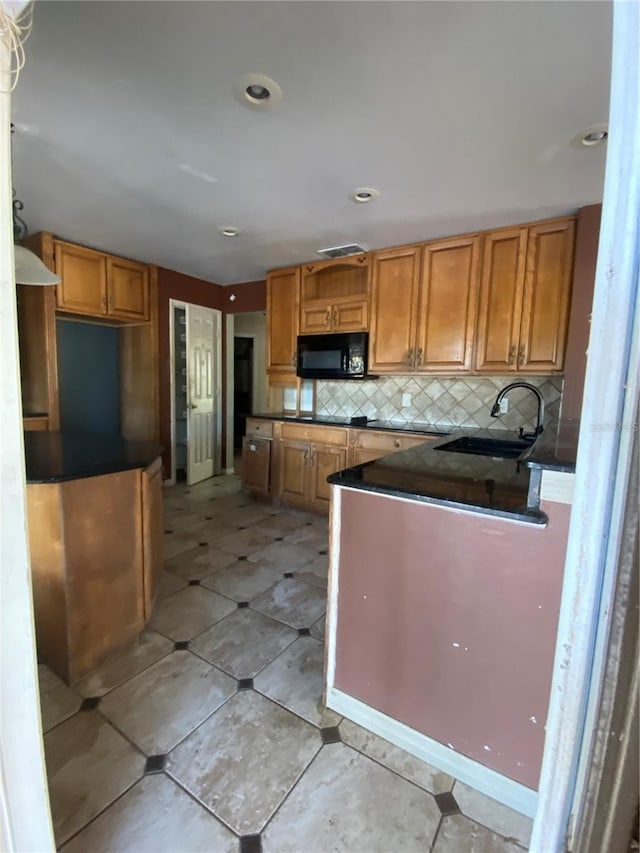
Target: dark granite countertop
{"x":556,"y":453}
{"x":52,"y":457}
{"x":550,"y":452}
{"x":498,"y":487}
{"x":330,"y":420}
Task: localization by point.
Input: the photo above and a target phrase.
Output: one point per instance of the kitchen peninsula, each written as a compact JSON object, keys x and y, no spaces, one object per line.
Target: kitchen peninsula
{"x":445,"y":578}
{"x":94,"y":507}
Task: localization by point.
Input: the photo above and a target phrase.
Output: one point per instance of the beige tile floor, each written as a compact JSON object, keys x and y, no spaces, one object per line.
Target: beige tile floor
{"x":210,"y":734}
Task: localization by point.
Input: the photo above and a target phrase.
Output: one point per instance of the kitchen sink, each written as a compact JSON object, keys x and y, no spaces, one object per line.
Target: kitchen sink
{"x":499,"y":448}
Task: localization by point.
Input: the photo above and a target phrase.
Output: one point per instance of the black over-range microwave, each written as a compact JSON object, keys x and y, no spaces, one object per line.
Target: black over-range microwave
{"x":340,"y":356}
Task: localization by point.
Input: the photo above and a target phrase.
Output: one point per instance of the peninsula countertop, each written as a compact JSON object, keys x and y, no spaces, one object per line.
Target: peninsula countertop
{"x":548,"y":453}
{"x":53,"y":457}
{"x":428,"y":474}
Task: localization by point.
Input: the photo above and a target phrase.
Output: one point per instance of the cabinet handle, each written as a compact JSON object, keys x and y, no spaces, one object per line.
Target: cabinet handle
{"x":327,"y":319}
{"x":512,"y":354}
{"x":293,"y":360}
{"x":522,"y":352}
{"x":410,"y":358}
{"x":335,"y":316}
{"x":396,"y":443}
{"x":419,"y":358}
{"x":306,"y":457}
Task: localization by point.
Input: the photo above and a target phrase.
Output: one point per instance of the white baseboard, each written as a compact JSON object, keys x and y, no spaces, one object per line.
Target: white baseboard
{"x":229,"y":471}
{"x":489,"y":782}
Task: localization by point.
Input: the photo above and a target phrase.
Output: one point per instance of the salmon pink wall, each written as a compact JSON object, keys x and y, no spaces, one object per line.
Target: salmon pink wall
{"x":447,"y":622}
{"x":250,"y":296}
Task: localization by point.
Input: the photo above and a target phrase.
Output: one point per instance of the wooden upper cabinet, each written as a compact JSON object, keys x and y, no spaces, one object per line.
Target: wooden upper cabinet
{"x":83,"y":289}
{"x":524,"y":298}
{"x":501,"y":292}
{"x":395,"y":284}
{"x":352,"y":316}
{"x":127,"y":289}
{"x":447,"y":308}
{"x":101,"y":286}
{"x":334,"y":296}
{"x":283,"y":301}
{"x":547,"y":292}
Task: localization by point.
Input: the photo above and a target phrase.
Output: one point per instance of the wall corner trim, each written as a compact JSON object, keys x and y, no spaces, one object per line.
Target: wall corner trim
{"x":512,"y":794}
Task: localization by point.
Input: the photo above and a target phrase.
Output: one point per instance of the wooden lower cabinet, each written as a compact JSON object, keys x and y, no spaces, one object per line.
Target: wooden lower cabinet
{"x":304,"y":468}
{"x":293,"y":472}
{"x":256,"y":464}
{"x":368,"y":445}
{"x":324,"y":461}
{"x":96,"y":556}
{"x":292,"y":460}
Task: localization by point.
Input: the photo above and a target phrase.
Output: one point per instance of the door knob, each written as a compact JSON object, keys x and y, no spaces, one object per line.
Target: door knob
{"x":192,"y":406}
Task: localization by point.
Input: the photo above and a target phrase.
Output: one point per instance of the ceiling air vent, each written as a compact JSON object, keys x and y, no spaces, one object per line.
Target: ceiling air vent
{"x":342,"y":251}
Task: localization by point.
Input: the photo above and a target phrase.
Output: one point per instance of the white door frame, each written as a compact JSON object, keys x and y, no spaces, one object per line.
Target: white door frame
{"x":603,"y":465}
{"x":25,"y":818}
{"x":229,"y":380}
{"x":178,"y":303}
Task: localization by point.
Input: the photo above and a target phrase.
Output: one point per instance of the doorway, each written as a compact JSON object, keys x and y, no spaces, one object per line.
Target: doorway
{"x":245,"y":377}
{"x":196,"y":377}
{"x":242,"y":388}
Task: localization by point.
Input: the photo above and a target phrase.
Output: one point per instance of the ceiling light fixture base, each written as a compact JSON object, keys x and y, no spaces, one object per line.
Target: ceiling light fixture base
{"x":257,"y":91}
{"x":364,"y":195}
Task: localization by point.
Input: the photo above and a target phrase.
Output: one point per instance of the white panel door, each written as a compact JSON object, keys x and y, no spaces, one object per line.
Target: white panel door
{"x":202,"y":347}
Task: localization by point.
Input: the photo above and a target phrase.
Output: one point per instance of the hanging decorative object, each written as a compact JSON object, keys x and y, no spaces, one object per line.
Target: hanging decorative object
{"x":16,"y":21}
{"x":28,"y":266}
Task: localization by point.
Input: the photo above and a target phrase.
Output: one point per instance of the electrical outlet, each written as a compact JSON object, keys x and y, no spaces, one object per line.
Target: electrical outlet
{"x":504,"y":405}
{"x":406,"y":400}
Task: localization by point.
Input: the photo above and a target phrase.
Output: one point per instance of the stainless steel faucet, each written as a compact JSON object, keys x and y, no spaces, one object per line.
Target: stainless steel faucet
{"x":495,"y":411}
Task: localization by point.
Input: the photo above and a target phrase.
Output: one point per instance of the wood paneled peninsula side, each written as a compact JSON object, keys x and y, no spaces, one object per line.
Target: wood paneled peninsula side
{"x":94,"y":508}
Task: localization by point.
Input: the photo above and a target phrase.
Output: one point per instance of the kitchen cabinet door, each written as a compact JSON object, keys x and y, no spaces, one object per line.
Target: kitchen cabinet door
{"x":394,"y":304}
{"x":447,"y":308}
{"x":350,"y":316}
{"x":83,"y":289}
{"x":283,"y":302}
{"x":315,"y":319}
{"x":501,"y":292}
{"x":127,"y":290}
{"x":256,"y":460}
{"x":293,"y":468}
{"x":325,"y":460}
{"x":547,"y":291}
{"x":152,"y":532}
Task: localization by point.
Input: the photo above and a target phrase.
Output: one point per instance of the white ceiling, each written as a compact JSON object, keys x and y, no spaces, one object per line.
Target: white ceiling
{"x":129,"y":137}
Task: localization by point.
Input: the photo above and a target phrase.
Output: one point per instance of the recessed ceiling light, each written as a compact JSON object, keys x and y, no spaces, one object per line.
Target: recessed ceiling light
{"x":229,"y":231}
{"x":365,"y":194}
{"x":594,"y":137}
{"x":257,"y":90}
{"x":591,"y":136}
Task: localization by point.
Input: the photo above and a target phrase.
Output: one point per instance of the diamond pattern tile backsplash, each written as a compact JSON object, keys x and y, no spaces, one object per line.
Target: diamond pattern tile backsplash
{"x":442,"y":401}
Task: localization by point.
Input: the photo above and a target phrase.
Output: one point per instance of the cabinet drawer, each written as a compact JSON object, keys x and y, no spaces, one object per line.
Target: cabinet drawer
{"x":262,"y":428}
{"x":316,"y":434}
{"x":388,"y":442}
